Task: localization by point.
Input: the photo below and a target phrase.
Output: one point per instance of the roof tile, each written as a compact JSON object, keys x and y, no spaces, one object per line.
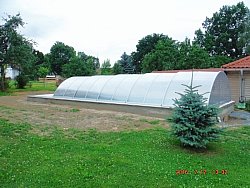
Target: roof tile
{"x":241,"y":63}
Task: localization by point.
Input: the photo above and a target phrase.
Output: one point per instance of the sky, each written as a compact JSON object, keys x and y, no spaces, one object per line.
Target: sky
{"x":107,"y":28}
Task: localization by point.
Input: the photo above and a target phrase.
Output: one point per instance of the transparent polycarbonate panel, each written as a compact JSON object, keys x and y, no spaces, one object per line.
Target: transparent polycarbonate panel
{"x":123,"y":90}
{"x":140,"y":88}
{"x":158,"y":88}
{"x":204,"y":79}
{"x":153,"y":89}
{"x":62,"y":88}
{"x":74,"y":87}
{"x":97,"y":87}
{"x":84,"y":87}
{"x":221,"y":91}
{"x":111,"y":87}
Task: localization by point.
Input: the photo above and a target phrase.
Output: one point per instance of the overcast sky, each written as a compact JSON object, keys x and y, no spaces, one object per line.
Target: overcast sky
{"x":107,"y":28}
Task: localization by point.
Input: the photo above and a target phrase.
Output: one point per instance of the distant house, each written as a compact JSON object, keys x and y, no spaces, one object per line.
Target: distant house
{"x":11,"y":73}
{"x":238,"y":73}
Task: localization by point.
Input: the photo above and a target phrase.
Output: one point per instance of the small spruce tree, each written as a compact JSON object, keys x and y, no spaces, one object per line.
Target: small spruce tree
{"x":193,"y":120}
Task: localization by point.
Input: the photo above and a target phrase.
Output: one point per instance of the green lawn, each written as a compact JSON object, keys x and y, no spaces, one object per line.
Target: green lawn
{"x":32,"y":86}
{"x":32,"y":156}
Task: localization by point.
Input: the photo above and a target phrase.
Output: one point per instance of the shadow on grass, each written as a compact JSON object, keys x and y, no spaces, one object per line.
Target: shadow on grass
{"x":171,"y":142}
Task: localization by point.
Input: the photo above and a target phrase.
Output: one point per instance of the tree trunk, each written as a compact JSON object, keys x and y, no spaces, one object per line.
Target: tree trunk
{"x":2,"y":87}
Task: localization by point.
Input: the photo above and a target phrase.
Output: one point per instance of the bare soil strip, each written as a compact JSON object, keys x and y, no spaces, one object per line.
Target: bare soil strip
{"x":17,"y":109}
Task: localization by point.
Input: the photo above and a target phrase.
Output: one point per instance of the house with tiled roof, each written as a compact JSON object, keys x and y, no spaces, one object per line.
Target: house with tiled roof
{"x":238,"y":73}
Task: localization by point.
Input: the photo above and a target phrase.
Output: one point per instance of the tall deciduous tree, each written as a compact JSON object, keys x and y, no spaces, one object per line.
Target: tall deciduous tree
{"x":15,"y":50}
{"x":106,"y":67}
{"x":171,"y":55}
{"x":81,"y":65}
{"x":43,"y":72}
{"x":226,"y":32}
{"x":162,"y":57}
{"x":144,"y":46}
{"x":60,"y":54}
{"x":192,"y":56}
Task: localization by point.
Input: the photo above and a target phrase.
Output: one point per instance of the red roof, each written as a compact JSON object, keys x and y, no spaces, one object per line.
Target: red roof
{"x":239,"y":64}
{"x":189,"y":70}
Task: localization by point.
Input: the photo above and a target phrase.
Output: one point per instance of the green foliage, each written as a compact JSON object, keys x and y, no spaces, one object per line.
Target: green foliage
{"x":192,"y":56}
{"x":40,"y":61}
{"x":193,"y":120}
{"x":244,"y":37}
{"x":117,"y":69}
{"x":170,"y":55}
{"x":219,"y":60}
{"x":63,"y":61}
{"x":60,"y":55}
{"x":152,"y":122}
{"x":33,"y":86}
{"x":162,"y":57}
{"x":226,"y":32}
{"x":106,"y":68}
{"x":79,"y":66}
{"x":15,"y":49}
{"x":43,"y":72}
{"x":41,"y":156}
{"x":6,"y":83}
{"x":94,"y":63}
{"x":22,"y":81}
{"x":145,"y":46}
{"x":126,"y":64}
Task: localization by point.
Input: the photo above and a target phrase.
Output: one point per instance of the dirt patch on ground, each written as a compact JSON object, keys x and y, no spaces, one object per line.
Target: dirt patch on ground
{"x":17,"y":109}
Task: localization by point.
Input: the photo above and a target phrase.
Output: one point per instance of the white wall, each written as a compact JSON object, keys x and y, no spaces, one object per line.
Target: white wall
{"x":11,"y":73}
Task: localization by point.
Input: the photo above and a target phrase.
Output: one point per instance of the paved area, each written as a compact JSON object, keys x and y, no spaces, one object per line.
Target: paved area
{"x":241,"y":115}
{"x":237,"y":118}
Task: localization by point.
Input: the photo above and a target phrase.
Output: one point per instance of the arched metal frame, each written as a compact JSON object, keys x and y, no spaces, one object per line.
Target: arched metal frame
{"x":151,"y":89}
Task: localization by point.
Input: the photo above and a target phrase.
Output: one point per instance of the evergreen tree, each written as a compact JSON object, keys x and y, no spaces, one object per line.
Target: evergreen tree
{"x":194,"y":120}
{"x":126,"y":64}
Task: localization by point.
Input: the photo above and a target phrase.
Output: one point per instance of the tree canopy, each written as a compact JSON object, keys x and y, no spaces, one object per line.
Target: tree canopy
{"x":126,"y":64}
{"x":226,"y":32}
{"x":79,"y":66}
{"x":117,"y":69}
{"x":15,"y":49}
{"x":60,"y":54}
{"x":170,"y":55}
{"x":145,"y":46}
{"x":106,"y":67}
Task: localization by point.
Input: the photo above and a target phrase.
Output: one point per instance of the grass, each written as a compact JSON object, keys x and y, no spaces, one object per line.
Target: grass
{"x":73,"y":110}
{"x":152,"y":122}
{"x":32,"y":86}
{"x":33,"y":156}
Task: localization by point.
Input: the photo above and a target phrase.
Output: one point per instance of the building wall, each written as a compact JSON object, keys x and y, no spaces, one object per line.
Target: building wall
{"x":235,"y":81}
{"x":11,"y":73}
{"x":247,"y":84}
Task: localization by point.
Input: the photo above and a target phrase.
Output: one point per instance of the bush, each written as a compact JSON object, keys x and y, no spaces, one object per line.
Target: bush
{"x":6,"y":84}
{"x":22,"y":81}
{"x":193,"y":121}
{"x":248,"y":105}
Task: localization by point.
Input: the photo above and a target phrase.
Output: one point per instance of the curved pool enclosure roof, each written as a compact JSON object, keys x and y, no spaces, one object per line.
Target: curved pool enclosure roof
{"x":151,"y":89}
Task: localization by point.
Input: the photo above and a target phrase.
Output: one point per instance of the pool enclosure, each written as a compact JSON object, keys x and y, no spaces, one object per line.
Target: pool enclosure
{"x":151,"y":89}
